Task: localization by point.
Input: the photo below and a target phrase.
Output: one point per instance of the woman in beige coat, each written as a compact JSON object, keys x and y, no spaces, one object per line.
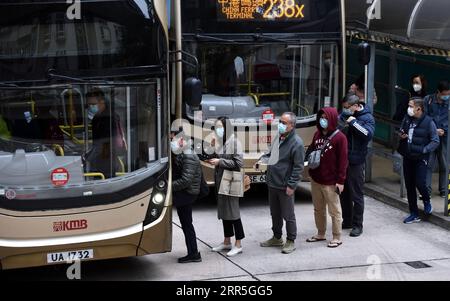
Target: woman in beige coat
{"x":228,"y":157}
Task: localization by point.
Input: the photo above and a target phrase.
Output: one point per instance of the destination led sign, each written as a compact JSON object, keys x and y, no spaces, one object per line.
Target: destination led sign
{"x":261,"y":10}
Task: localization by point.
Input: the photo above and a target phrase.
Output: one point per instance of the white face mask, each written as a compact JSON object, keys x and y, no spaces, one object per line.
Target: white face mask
{"x":175,"y":146}
{"x":220,"y":132}
{"x":417,"y":88}
{"x":411,"y":112}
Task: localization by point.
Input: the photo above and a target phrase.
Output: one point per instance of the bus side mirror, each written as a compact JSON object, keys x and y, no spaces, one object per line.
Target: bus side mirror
{"x":364,"y":53}
{"x":192,"y":91}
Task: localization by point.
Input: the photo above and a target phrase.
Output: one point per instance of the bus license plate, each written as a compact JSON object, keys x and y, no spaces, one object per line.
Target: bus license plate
{"x":258,"y":179}
{"x":70,"y":256}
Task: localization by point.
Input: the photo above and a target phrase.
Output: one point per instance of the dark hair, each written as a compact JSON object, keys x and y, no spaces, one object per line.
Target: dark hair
{"x":176,"y":131}
{"x":228,"y":128}
{"x":443,"y":86}
{"x":418,"y":102}
{"x":97,"y":93}
{"x":360,"y":82}
{"x":422,"y":79}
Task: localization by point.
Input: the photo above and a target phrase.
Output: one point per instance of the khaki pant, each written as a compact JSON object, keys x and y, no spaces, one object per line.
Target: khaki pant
{"x":322,"y":196}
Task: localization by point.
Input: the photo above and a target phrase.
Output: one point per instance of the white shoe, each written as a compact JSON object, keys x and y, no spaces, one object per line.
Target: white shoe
{"x":222,"y":247}
{"x":234,"y":251}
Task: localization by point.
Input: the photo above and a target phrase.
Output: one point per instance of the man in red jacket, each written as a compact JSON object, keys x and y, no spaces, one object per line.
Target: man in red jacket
{"x":327,"y":180}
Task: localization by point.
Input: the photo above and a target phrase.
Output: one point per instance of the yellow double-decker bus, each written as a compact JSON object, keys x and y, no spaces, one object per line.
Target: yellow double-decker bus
{"x":84,"y":123}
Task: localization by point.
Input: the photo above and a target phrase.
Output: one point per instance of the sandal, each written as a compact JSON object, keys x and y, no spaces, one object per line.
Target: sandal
{"x":315,"y":239}
{"x":334,"y":244}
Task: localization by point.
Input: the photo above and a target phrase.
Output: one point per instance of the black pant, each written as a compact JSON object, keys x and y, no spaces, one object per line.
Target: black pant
{"x":238,"y":228}
{"x":415,"y":172}
{"x":185,"y":215}
{"x":352,"y":199}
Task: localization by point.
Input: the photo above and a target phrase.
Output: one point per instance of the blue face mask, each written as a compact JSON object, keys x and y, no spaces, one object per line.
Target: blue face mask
{"x":445,"y":97}
{"x":93,"y":109}
{"x":220,"y":132}
{"x":324,"y":123}
{"x":282,"y":128}
{"x":347,"y":112}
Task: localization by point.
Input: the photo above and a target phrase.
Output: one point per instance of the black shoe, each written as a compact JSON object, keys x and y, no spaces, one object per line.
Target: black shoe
{"x":356,"y":231}
{"x":190,"y":258}
{"x":442,"y":194}
{"x":344,"y":226}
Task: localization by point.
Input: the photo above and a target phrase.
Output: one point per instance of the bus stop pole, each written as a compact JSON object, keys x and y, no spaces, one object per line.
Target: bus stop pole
{"x":369,"y":94}
{"x":446,"y":201}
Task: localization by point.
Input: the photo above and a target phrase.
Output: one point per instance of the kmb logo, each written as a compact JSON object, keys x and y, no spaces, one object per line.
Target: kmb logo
{"x":70,"y":225}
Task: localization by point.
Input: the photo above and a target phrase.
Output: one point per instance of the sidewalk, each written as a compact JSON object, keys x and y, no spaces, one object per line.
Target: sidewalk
{"x":385,"y":187}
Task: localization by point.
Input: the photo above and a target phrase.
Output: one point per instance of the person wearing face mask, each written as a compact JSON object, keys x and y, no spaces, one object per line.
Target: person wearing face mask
{"x":284,"y":172}
{"x":105,"y":131}
{"x":418,"y":88}
{"x":328,"y":179}
{"x":418,"y":134}
{"x":186,"y":181}
{"x":436,"y":106}
{"x":361,"y":127}
{"x":229,"y":156}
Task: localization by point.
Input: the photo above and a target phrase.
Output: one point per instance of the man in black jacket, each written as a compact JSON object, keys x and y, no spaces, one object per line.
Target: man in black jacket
{"x":186,"y":181}
{"x":360,"y":129}
{"x":105,"y":128}
{"x":418,"y":134}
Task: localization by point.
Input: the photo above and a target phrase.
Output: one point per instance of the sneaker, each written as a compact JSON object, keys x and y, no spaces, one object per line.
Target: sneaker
{"x":288,"y":247}
{"x":442,"y":195}
{"x":234,"y":251}
{"x":222,"y":247}
{"x":273,"y":242}
{"x":427,"y":208}
{"x":356,"y":231}
{"x":190,"y":258}
{"x":413,"y":218}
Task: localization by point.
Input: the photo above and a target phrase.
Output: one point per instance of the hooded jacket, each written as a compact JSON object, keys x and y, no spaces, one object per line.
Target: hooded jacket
{"x":334,"y":160}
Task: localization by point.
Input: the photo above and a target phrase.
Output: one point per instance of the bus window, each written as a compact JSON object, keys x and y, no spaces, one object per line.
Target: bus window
{"x":118,"y":139}
{"x":293,"y":78}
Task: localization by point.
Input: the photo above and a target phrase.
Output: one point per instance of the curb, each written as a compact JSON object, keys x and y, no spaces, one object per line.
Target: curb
{"x":394,"y":201}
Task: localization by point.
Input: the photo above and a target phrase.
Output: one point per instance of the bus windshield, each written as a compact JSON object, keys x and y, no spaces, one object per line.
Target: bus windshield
{"x":39,"y":36}
{"x":244,"y":80}
{"x":77,"y":140}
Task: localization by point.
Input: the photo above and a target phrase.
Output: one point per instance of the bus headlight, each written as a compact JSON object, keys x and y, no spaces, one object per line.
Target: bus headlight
{"x":161,"y":184}
{"x":158,"y":199}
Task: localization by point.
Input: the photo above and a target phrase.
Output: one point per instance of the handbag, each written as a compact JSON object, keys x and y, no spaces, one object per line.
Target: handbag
{"x":315,"y":156}
{"x":232,"y":183}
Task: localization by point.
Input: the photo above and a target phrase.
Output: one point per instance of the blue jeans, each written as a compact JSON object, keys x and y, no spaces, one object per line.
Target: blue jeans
{"x":440,"y":156}
{"x":415,"y":172}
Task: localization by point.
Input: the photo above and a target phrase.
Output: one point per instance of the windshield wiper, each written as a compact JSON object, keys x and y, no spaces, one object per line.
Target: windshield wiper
{"x":112,"y":73}
{"x":211,"y":38}
{"x":258,"y":36}
{"x":8,"y":85}
{"x":51,"y":74}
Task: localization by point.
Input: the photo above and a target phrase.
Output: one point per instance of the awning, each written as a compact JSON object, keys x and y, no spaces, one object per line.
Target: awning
{"x":416,"y":24}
